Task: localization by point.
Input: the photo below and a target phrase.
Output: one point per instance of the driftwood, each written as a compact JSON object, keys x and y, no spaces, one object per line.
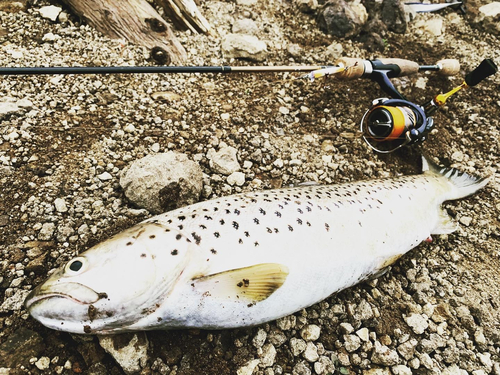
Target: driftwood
{"x":185,"y":15}
{"x":135,"y":21}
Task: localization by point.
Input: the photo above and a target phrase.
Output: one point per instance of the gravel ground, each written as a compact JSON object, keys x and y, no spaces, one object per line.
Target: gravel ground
{"x":64,"y":141}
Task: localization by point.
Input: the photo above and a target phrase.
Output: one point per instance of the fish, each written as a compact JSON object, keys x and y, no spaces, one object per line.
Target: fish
{"x":249,"y":258}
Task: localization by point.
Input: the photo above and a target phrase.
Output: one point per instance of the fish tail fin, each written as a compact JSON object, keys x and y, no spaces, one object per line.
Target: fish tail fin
{"x":462,"y":184}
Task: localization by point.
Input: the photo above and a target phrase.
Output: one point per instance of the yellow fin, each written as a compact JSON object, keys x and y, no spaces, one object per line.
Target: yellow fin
{"x":250,"y":284}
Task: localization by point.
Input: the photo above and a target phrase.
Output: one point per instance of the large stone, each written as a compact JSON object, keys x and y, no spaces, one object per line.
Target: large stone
{"x":162,"y":182}
{"x":224,"y":161}
{"x":19,"y":347}
{"x":241,"y":46}
{"x":394,"y":16}
{"x":342,"y":19}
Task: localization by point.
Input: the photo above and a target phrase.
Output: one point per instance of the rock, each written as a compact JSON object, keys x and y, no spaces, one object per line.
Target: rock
{"x":310,"y":354}
{"x":310,"y":332}
{"x":393,"y":16}
{"x":377,"y":371}
{"x":162,"y":182}
{"x":417,"y":322}
{"x":346,"y":328}
{"x":307,"y":6}
{"x":363,"y":334}
{"x":259,"y":339}
{"x":351,"y":343}
{"x":43,"y":363}
{"x":433,"y":27}
{"x":225,"y":161}
{"x":248,"y":368}
{"x":297,"y":346}
{"x":341,"y":19}
{"x":236,"y":178}
{"x":50,"y":12}
{"x":453,"y":370}
{"x":8,"y":108}
{"x":485,"y":15}
{"x":334,"y":51}
{"x":46,"y":232}
{"x":19,"y":347}
{"x":465,"y":220}
{"x":241,"y":46}
{"x":268,"y":355}
{"x":130,"y":351}
{"x":301,"y":368}
{"x":401,"y":370}
{"x":245,"y":26}
{"x":382,"y":355}
{"x":60,"y":205}
{"x":105,"y":176}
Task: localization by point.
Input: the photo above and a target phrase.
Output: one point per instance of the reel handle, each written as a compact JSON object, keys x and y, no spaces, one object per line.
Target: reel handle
{"x":448,"y":67}
{"x":484,"y":70}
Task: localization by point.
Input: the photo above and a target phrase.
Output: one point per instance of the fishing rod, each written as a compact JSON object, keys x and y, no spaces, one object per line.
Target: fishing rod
{"x":388,"y":125}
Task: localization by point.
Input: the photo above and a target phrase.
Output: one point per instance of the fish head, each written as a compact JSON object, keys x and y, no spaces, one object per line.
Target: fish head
{"x":113,"y":284}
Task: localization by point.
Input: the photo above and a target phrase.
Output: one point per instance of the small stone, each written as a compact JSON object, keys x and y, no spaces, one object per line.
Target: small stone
{"x":310,"y":332}
{"x":297,"y":346}
{"x":236,"y":178}
{"x":245,"y":26}
{"x":128,"y":350}
{"x":417,"y":322}
{"x":268,"y":355}
{"x":310,"y":354}
{"x":346,"y":328}
{"x":241,"y":46}
{"x":60,"y":205}
{"x":465,"y":220}
{"x":248,"y":368}
{"x":301,"y":368}
{"x":382,"y":355}
{"x":225,"y":116}
{"x":50,"y":12}
{"x":352,"y":343}
{"x":225,"y":161}
{"x":259,"y":339}
{"x":105,"y":176}
{"x":43,"y":363}
{"x":287,"y":322}
{"x":363,"y":334}
{"x":401,"y":370}
{"x":46,"y":232}
{"x":284,"y":110}
{"x":426,"y":361}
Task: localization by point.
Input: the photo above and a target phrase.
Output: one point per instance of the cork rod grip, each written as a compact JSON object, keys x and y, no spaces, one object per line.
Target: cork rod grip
{"x":356,"y":68}
{"x":449,"y":67}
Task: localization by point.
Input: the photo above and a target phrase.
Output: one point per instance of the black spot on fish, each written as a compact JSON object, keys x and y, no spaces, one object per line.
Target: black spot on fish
{"x":152,"y":236}
{"x":167,"y":230}
{"x":178,"y":236}
{"x":216,"y":209}
{"x":290,"y":228}
{"x":240,"y":241}
{"x":216,"y":234}
{"x":87,"y":329}
{"x":253,"y":200}
{"x":269,"y":230}
{"x":247,"y":234}
{"x":92,"y":312}
{"x":361,"y":225}
{"x":299,"y":210}
{"x":308,"y":223}
{"x":202,"y":226}
{"x":181,"y":227}
{"x":181,"y":218}
{"x":129,"y":243}
{"x":256,"y":244}
{"x":235,"y":225}
{"x":256,"y":221}
{"x":280,"y":206}
{"x":196,"y":237}
{"x":236,"y":211}
{"x":327,"y":227}
{"x":261,"y":210}
{"x":277,"y":213}
{"x":228,"y":211}
{"x":276,"y":230}
{"x":208,"y":217}
{"x":174,"y":252}
{"x":299,"y":221}
{"x":193,"y":216}
{"x":309,"y":209}
{"x":159,"y":319}
{"x":213,"y":251}
{"x":222,"y":222}
{"x":169,"y":221}
{"x":143,"y":255}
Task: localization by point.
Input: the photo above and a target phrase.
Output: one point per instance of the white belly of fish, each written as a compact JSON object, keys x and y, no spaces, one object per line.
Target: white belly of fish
{"x":327,"y":238}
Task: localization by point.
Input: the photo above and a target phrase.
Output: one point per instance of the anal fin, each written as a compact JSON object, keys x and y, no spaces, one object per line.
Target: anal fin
{"x":249,"y":284}
{"x":445,"y":224}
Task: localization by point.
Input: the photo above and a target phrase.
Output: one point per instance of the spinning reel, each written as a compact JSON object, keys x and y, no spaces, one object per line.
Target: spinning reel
{"x":393,"y":123}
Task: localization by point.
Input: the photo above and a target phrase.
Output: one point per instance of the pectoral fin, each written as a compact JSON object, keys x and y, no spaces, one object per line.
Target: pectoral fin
{"x":250,"y":284}
{"x":445,"y":224}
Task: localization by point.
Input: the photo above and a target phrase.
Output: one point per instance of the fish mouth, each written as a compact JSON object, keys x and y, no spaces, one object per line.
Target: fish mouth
{"x":75,"y":292}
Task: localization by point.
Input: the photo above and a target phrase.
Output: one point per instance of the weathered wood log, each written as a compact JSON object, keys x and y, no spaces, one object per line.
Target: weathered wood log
{"x":185,"y":15}
{"x":135,"y":21}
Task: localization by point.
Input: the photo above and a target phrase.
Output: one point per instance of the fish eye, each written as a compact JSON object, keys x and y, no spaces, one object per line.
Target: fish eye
{"x":76,"y":265}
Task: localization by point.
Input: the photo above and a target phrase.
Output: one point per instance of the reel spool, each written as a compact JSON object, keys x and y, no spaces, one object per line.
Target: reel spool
{"x":393,"y":123}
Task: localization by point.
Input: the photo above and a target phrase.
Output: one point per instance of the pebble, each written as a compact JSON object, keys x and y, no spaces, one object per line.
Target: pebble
{"x":417,"y":322}
{"x":382,"y":355}
{"x":60,"y":205}
{"x":351,"y":343}
{"x":465,"y":220}
{"x":43,"y":363}
{"x":50,"y":12}
{"x":310,"y":353}
{"x":225,"y":161}
{"x":248,"y":368}
{"x":105,"y":176}
{"x":311,"y":332}
{"x":46,"y":232}
{"x":401,"y":370}
{"x":259,"y":339}
{"x":268,"y":355}
{"x":363,"y":334}
{"x":297,"y":346}
{"x":242,"y":46}
{"x":236,"y":178}
{"x":130,"y":351}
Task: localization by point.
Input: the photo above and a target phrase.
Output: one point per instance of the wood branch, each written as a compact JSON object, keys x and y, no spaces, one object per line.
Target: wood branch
{"x":135,"y":21}
{"x":185,"y":15}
